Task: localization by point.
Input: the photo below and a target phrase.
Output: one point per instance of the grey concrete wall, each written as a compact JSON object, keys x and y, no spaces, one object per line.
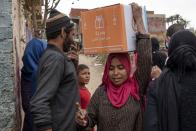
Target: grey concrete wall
{"x":7,"y":104}
{"x":11,"y":50}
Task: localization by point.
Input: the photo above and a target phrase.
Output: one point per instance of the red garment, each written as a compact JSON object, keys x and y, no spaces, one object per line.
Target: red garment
{"x":85,"y":97}
{"x":119,"y":95}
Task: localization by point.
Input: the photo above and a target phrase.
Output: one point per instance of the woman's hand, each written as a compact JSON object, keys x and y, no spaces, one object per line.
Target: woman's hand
{"x":81,"y":116}
{"x":133,"y":60}
{"x":137,"y":16}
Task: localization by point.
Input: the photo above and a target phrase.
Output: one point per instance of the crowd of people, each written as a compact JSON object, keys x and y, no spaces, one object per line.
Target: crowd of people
{"x":158,"y":95}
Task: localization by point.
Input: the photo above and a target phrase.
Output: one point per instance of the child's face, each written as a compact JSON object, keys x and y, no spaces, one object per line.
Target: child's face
{"x":84,"y":76}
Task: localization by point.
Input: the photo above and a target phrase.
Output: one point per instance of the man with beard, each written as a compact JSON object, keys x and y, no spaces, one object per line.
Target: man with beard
{"x":170,"y":31}
{"x":53,"y":104}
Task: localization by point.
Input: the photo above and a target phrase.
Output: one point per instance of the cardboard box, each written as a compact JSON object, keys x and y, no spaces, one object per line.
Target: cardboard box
{"x":108,"y":29}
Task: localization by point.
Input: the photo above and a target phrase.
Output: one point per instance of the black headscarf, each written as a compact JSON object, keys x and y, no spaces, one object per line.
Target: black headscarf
{"x":158,"y":59}
{"x":155,"y":44}
{"x":182,"y":52}
{"x":173,"y":29}
{"x":181,"y":62}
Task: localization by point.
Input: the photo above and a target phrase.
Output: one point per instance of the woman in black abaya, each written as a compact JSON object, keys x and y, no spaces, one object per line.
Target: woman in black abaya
{"x":171,"y":104}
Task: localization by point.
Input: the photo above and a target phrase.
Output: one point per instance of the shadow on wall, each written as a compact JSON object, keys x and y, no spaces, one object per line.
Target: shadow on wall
{"x":17,"y":87}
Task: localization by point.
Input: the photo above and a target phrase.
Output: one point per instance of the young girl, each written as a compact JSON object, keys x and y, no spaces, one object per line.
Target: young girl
{"x":83,"y":78}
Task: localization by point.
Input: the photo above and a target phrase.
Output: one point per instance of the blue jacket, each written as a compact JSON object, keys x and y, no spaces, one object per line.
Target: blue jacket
{"x":32,"y":53}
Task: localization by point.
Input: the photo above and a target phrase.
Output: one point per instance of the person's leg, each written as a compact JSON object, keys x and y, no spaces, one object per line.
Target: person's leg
{"x":26,"y":94}
{"x":27,"y":124}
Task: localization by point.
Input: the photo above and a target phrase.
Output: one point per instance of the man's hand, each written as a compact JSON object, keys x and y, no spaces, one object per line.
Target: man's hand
{"x":48,"y":130}
{"x":73,"y":53}
{"x":81,"y":116}
{"x":155,"y":72}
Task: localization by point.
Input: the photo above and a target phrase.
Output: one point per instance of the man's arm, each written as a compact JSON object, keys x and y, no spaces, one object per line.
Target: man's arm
{"x":49,"y":77}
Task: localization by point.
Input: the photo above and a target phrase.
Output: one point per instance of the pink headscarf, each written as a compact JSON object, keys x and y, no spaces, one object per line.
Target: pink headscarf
{"x":118,"y":96}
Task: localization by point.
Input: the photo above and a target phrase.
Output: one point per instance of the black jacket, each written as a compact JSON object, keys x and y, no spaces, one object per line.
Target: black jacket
{"x":185,"y":113}
{"x":53,"y":104}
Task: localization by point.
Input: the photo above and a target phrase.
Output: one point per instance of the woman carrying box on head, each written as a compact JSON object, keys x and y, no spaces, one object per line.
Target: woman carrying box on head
{"x":117,"y":104}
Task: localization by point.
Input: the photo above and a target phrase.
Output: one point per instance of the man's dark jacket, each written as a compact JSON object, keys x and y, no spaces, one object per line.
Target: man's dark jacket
{"x":53,"y":104}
